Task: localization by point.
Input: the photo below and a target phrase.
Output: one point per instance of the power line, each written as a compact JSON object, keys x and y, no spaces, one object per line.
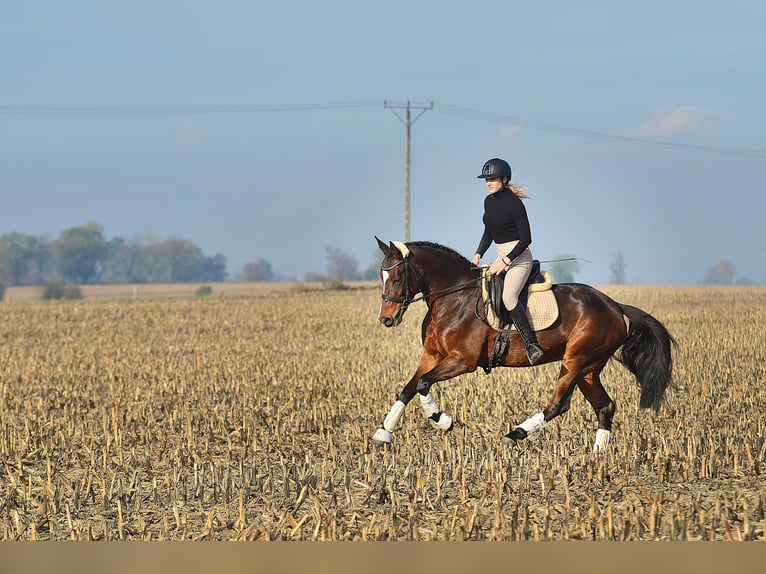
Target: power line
{"x":477,"y":115}
{"x":446,"y":109}
{"x":176,"y":110}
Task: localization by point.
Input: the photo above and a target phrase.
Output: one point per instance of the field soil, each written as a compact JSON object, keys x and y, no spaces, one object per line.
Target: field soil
{"x":34,"y":293}
{"x":249,"y":416}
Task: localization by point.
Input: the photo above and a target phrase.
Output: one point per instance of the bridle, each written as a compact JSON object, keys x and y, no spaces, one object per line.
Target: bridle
{"x":409,"y":271}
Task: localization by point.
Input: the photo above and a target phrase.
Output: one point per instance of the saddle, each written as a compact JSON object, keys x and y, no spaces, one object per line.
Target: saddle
{"x":536,"y":296}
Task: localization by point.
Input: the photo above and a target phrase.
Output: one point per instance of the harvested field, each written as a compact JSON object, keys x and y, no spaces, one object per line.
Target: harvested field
{"x":152,"y":290}
{"x":249,"y":418}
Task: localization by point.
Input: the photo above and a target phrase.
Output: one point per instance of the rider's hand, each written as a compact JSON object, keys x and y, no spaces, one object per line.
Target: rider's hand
{"x":476,"y":259}
{"x":497,"y":266}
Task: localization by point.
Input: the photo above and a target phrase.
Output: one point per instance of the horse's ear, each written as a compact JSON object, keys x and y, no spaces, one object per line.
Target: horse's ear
{"x":383,"y":247}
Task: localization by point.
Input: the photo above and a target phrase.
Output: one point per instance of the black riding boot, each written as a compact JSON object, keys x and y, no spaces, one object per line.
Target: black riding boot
{"x":519,"y":316}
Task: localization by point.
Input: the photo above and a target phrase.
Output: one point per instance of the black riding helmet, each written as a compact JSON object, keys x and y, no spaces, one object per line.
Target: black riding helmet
{"x":495,"y":167}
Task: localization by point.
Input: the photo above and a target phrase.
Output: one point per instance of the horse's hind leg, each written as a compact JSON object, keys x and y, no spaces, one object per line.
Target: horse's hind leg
{"x":569,"y":375}
{"x":589,"y":383}
{"x":602,"y":404}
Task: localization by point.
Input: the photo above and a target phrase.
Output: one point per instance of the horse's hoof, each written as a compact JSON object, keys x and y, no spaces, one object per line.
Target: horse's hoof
{"x":382,"y":437}
{"x":445,"y":422}
{"x":515,"y":435}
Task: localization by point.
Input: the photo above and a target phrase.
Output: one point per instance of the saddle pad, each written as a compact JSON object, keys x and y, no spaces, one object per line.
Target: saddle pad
{"x":542,"y":309}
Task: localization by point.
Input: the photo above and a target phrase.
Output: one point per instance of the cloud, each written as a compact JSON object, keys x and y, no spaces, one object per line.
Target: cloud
{"x":670,"y":125}
{"x":505,"y":135}
{"x":187,"y":134}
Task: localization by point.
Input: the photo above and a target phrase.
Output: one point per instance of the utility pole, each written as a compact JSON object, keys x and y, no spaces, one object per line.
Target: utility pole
{"x":408,"y":121}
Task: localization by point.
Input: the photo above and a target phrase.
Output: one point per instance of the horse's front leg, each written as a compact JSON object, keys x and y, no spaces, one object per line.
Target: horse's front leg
{"x":384,"y":434}
{"x":431,"y":411}
{"x":430,"y":371}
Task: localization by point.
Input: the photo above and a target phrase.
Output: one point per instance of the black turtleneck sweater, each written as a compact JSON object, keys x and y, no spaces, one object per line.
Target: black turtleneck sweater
{"x":505,"y":219}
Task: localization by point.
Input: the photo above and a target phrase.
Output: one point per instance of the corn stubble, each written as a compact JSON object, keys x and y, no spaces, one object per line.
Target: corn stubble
{"x":249,"y":418}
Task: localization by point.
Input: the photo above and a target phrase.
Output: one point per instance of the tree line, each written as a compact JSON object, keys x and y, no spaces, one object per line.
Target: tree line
{"x":83,"y":255}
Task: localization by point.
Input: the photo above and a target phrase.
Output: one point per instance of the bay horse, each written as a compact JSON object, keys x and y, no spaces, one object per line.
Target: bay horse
{"x":456,"y":339}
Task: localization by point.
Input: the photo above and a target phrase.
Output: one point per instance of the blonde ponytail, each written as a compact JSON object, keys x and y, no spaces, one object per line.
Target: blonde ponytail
{"x":519,"y":190}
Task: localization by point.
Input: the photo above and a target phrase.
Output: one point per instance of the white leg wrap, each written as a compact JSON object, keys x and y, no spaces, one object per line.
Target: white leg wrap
{"x":394,"y":416}
{"x":602,"y":440}
{"x":534,"y":423}
{"x":444,"y":422}
{"x":428,"y":402}
{"x":382,"y":435}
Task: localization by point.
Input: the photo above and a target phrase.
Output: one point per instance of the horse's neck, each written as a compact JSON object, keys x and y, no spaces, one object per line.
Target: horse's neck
{"x":435,"y":282}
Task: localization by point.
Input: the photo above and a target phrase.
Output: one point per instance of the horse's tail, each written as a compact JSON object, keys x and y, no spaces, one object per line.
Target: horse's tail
{"x":647,"y":353}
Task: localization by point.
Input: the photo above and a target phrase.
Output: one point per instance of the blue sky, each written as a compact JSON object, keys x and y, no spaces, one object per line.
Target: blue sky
{"x":638,"y":128}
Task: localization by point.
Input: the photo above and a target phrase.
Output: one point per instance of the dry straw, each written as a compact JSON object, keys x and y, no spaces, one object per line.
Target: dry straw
{"x":249,"y":418}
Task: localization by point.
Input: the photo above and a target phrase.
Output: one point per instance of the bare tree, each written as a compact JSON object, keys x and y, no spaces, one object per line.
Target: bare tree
{"x":341,"y":266}
{"x":260,"y":270}
{"x":722,"y":273}
{"x":372,"y":273}
{"x":618,"y":269}
{"x":563,"y":268}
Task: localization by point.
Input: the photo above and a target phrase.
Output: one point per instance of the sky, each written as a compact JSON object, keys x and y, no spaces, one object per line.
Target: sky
{"x":258,"y":129}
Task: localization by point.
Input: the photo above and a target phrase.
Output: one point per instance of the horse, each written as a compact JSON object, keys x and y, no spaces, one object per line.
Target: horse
{"x":457,"y":339}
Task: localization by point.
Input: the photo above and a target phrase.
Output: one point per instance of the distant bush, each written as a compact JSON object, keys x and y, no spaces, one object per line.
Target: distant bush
{"x":335,"y":286}
{"x":204,"y":291}
{"x":2,"y":290}
{"x":72,"y":292}
{"x":59,"y":291}
{"x":313,"y":277}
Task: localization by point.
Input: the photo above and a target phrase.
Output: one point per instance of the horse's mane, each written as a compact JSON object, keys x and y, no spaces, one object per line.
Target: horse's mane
{"x":439,"y":247}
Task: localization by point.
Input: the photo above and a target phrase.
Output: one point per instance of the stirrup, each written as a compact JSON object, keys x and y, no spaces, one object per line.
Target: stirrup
{"x":499,"y":349}
{"x":534,"y":353}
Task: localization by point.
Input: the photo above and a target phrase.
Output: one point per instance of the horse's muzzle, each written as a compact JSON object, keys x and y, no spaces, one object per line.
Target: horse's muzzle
{"x":391,"y":321}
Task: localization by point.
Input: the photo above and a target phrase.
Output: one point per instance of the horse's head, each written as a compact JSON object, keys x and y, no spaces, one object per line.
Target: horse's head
{"x":400,"y":282}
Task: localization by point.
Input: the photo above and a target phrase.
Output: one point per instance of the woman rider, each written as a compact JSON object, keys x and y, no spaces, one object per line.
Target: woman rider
{"x":506,"y":223}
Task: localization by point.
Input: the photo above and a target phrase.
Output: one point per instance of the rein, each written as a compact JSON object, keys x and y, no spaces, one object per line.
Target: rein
{"x":407,"y":300}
